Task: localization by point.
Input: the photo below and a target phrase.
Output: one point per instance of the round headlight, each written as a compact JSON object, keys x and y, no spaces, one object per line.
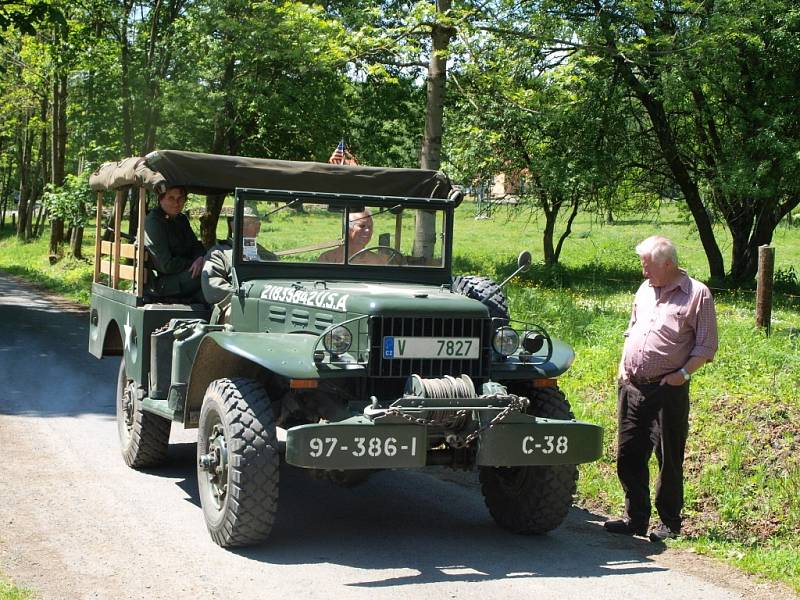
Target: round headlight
{"x":505,"y":341}
{"x":532,"y":342}
{"x":338,"y":340}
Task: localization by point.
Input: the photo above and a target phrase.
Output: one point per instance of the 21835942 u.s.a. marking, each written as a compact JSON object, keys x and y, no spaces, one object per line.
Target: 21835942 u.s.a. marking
{"x":370,"y":447}
{"x":547,"y":444}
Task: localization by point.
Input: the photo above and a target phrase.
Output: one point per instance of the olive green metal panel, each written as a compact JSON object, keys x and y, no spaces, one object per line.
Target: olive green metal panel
{"x":288,"y":354}
{"x":117,"y":310}
{"x":515,"y":368}
{"x":356,"y":443}
{"x":338,"y":297}
{"x":540,"y":442}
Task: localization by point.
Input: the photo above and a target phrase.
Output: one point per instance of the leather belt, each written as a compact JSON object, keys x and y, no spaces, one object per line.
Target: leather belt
{"x":644,"y":381}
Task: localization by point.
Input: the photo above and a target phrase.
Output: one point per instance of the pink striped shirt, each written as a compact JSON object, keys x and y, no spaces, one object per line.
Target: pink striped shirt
{"x":667,"y":326}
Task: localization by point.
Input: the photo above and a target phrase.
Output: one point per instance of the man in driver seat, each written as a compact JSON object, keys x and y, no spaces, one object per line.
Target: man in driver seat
{"x":359,"y":234}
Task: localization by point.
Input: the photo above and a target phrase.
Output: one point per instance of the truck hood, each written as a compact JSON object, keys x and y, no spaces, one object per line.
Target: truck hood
{"x":368,"y":298}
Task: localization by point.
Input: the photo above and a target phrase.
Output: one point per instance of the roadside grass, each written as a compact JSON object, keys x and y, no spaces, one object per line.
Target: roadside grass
{"x":743,"y":455}
{"x":8,"y":591}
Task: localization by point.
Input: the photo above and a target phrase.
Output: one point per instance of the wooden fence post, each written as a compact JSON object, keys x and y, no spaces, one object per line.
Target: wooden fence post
{"x":766,"y":267}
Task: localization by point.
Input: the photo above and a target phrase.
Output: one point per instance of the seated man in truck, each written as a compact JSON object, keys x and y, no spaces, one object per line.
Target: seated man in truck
{"x":216,"y":277}
{"x":359,"y":233}
{"x":175,"y":253}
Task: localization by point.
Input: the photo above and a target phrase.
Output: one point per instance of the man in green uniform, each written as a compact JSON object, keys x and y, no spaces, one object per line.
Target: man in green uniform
{"x":216,"y":277}
{"x":175,"y":252}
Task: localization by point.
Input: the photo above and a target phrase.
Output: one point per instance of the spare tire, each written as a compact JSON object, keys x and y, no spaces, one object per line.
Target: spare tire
{"x":484,"y":290}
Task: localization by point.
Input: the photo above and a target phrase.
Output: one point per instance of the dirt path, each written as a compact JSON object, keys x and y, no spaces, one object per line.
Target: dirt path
{"x":76,"y":523}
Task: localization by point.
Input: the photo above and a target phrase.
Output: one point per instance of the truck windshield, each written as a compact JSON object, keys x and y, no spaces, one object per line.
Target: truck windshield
{"x":295,"y":232}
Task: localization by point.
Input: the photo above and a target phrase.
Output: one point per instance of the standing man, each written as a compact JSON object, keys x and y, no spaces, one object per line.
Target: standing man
{"x":672,"y":333}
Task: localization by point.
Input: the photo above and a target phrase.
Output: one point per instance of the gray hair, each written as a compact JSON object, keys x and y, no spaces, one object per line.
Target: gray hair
{"x":359,"y":216}
{"x":659,"y":249}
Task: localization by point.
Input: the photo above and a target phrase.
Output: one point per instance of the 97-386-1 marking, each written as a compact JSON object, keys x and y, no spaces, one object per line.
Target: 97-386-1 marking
{"x":373,"y":447}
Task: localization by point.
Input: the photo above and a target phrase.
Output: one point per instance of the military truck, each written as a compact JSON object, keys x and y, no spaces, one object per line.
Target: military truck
{"x":339,"y":362}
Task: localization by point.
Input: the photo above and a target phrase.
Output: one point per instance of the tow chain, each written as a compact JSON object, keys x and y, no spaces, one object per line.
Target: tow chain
{"x":516,"y":404}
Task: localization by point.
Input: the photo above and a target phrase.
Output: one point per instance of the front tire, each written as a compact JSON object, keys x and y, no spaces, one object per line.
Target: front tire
{"x":238,"y":462}
{"x":143,"y":436}
{"x":535,"y":499}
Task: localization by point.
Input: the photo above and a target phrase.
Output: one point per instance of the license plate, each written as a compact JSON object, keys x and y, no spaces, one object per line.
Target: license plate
{"x":367,"y":447}
{"x":356,"y":443}
{"x":430,"y":347}
{"x":544,"y":442}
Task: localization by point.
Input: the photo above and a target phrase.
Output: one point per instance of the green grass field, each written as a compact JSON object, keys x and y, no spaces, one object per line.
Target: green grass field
{"x":743,"y":458}
{"x":8,"y":591}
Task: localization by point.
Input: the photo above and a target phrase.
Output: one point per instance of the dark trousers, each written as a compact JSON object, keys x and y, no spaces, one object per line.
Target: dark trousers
{"x":652,"y":417}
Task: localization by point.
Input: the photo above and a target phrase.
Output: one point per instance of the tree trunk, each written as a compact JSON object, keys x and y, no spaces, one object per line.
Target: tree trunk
{"x":58,"y":150}
{"x":39,"y":227}
{"x":744,"y":263}
{"x":679,"y":170}
{"x":3,"y":187}
{"x":225,"y":139}
{"x":56,"y":236}
{"x":576,"y":203}
{"x":42,"y":169}
{"x":125,"y":88}
{"x":3,"y":199}
{"x":431,"y":154}
{"x":59,"y":141}
{"x":24,"y":148}
{"x":76,"y":241}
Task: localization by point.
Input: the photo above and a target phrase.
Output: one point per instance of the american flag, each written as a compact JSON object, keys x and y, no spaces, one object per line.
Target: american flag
{"x":337,"y":158}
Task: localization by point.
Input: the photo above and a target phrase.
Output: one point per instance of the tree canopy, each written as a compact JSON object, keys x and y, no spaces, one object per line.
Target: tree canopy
{"x":590,"y":103}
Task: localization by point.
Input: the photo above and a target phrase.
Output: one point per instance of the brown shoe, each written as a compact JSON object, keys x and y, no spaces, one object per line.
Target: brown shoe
{"x":663,"y":533}
{"x":625,"y":527}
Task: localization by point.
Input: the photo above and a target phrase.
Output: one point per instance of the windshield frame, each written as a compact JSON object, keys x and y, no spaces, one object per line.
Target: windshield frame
{"x":438,"y":275}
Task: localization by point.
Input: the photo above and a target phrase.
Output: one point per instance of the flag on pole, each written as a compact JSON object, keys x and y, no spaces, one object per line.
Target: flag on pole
{"x":337,"y":158}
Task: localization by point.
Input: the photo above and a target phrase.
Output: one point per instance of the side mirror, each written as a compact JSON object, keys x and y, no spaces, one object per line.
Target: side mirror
{"x":523,"y":261}
{"x":523,"y":264}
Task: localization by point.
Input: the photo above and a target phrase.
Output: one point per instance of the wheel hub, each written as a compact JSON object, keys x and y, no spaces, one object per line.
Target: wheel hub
{"x":215,"y":464}
{"x":127,"y":405}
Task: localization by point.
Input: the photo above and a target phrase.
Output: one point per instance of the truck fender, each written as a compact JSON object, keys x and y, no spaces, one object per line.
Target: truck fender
{"x":230,"y":354}
{"x":561,"y":360}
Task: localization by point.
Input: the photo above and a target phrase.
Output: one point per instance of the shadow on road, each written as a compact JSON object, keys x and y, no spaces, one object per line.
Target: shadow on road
{"x":433,"y":531}
{"x":422,"y":529}
{"x":417,"y":527}
{"x":45,"y":367}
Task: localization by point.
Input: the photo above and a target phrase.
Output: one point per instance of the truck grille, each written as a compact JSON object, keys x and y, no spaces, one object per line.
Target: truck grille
{"x":428,"y":327}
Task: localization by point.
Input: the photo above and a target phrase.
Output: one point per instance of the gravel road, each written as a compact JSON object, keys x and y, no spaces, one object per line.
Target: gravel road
{"x":75,"y":522}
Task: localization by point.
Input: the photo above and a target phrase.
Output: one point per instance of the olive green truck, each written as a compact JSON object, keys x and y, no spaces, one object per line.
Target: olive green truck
{"x":338,"y":357}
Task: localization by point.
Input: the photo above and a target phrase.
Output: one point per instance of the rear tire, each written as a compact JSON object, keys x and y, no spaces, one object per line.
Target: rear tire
{"x":536,"y":499}
{"x":143,"y":436}
{"x":238,"y":462}
{"x":485,"y":291}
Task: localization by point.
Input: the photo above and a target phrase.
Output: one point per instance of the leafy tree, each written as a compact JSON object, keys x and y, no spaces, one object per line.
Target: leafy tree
{"x":67,"y":204}
{"x":26,"y":15}
{"x":553,"y":124}
{"x":717,"y":82}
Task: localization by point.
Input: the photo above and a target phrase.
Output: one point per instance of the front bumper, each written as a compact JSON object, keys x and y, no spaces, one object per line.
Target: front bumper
{"x":392,"y":442}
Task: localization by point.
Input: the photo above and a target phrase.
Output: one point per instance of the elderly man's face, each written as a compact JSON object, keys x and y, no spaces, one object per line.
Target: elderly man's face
{"x":251,"y":227}
{"x":173,"y":201}
{"x":658,"y":274}
{"x":360,"y":230}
